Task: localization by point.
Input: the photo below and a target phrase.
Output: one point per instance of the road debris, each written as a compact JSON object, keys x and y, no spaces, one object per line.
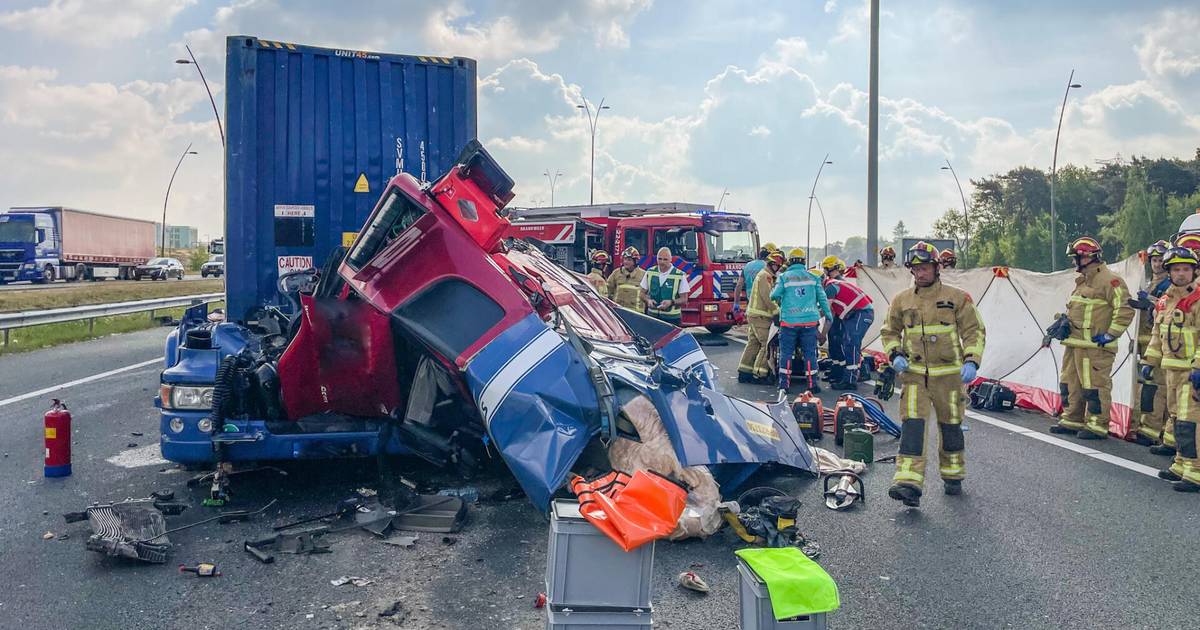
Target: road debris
{"x":395,"y":613}
{"x":48,"y":536}
{"x":693,"y":582}
{"x":204,"y":569}
{"x":351,"y":579}
{"x":401,"y":541}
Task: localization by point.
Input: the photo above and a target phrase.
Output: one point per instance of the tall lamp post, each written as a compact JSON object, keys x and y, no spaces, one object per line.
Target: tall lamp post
{"x":824,"y":226}
{"x":966,"y":219}
{"x":553,"y":180}
{"x":811,"y":195}
{"x":1054,"y":175}
{"x":593,"y":121}
{"x":193,"y":62}
{"x":162,"y":247}
{"x":724,"y":194}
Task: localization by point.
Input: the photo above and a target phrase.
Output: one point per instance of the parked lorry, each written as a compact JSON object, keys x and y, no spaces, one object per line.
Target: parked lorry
{"x":41,"y":244}
{"x":710,"y":247}
{"x":430,"y":332}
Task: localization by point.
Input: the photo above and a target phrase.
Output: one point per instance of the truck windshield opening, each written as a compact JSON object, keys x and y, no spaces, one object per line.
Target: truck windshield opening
{"x":395,"y":215}
{"x":18,"y":232}
{"x":728,"y":247}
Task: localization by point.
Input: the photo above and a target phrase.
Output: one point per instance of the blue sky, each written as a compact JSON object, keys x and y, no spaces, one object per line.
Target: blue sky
{"x":705,"y":96}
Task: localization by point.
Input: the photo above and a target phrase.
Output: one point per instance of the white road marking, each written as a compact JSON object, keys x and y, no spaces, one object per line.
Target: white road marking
{"x":148,"y":455}
{"x":1070,"y":446}
{"x":80,"y":381}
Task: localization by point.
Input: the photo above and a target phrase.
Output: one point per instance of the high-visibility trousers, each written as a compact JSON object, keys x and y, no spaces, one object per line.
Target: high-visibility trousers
{"x":1086,"y":389}
{"x":1185,"y":412}
{"x":919,"y":393}
{"x":754,"y":357}
{"x":1149,"y":417}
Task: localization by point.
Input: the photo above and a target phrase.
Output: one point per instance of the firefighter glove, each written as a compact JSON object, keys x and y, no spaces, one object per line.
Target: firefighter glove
{"x":900,"y":363}
{"x":736,"y":307}
{"x":1195,"y":379}
{"x":968,"y":371}
{"x":1103,"y":339}
{"x":1147,"y":373}
{"x":1142,"y":303}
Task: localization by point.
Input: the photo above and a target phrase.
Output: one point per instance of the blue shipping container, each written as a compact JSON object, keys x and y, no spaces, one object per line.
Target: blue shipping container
{"x":313,"y":135}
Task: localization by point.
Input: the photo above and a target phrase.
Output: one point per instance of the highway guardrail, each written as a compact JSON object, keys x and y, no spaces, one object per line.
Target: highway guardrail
{"x":89,"y":312}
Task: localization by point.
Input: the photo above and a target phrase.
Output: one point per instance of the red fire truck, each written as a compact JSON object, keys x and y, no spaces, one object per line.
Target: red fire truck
{"x":710,"y":247}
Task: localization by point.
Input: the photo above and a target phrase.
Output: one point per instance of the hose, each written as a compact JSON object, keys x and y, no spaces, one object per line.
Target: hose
{"x":874,"y":410}
{"x":222,"y":388}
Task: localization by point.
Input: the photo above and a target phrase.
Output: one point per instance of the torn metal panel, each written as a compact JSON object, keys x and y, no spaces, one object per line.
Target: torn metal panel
{"x":129,"y":529}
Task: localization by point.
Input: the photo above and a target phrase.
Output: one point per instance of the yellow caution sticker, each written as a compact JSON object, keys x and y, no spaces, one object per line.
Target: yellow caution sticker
{"x":348,"y":238}
{"x":51,"y":433}
{"x":361,"y":185}
{"x":764,"y":430}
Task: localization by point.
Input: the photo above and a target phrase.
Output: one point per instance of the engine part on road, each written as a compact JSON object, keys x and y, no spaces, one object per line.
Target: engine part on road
{"x":133,"y":529}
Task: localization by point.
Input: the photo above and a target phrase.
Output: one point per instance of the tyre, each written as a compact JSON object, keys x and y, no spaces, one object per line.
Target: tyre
{"x":47,"y":275}
{"x":719,"y":329}
{"x":135,"y":276}
{"x":80,"y":270}
{"x":203,"y":273}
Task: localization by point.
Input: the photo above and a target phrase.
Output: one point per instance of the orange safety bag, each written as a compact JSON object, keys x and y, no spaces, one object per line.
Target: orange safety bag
{"x":631,"y":510}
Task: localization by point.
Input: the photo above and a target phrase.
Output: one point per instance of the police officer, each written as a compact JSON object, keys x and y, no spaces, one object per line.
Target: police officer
{"x":934,"y":337}
{"x":595,"y":277}
{"x":624,"y":284}
{"x":1174,"y":350}
{"x":753,"y":365}
{"x":802,"y":303}
{"x":665,"y":289}
{"x":1150,"y":397}
{"x":1099,"y":314}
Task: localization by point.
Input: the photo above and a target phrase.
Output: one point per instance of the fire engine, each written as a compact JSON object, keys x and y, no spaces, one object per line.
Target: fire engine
{"x":710,"y":247}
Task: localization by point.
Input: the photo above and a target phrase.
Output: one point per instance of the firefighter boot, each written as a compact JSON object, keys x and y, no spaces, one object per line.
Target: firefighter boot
{"x":952,"y":486}
{"x":1166,"y":475}
{"x":1162,"y":449}
{"x":908,"y":495}
{"x":1185,"y":486}
{"x":1085,"y":434}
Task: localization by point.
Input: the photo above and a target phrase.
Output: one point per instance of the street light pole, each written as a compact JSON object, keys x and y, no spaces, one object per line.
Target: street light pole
{"x":553,"y":181}
{"x":824,"y":161}
{"x":593,"y":122}
{"x":162,"y":247}
{"x":1054,"y":175}
{"x":824,"y":225}
{"x":220,"y":129}
{"x":724,"y":194}
{"x":966,"y":219}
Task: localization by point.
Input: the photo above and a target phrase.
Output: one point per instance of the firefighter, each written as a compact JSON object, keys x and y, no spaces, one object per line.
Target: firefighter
{"x":802,"y":303}
{"x":745,"y":283}
{"x":934,"y":337}
{"x":1174,"y":350}
{"x":1150,"y":397}
{"x":760,"y":313}
{"x":665,"y":289}
{"x":624,"y":283}
{"x":595,"y":277}
{"x":948,"y":258}
{"x":1099,"y":314}
{"x":887,"y":257}
{"x":832,"y":267}
{"x":853,"y":314}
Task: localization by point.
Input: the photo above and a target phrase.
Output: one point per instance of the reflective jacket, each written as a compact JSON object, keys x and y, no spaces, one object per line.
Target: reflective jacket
{"x":1098,"y":305}
{"x":624,"y":287}
{"x":937,"y":327}
{"x":750,"y":274}
{"x":845,"y":298}
{"x":1159,"y":284}
{"x":1176,"y":325}
{"x":801,"y":298}
{"x":598,"y":282}
{"x":760,"y":301}
{"x":664,"y":286}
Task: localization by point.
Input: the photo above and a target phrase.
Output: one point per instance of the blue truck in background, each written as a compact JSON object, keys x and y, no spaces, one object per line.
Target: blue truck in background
{"x":43,"y":243}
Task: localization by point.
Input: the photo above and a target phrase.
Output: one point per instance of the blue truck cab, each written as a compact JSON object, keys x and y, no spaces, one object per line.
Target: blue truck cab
{"x":29,"y":244}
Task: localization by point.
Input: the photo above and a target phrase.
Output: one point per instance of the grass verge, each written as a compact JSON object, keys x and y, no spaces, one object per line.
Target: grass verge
{"x":102,"y":293}
{"x":47,"y":335}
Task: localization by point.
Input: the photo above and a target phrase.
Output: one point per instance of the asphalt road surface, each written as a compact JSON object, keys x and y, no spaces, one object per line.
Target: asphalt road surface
{"x":1043,"y":537}
{"x":60,"y":284}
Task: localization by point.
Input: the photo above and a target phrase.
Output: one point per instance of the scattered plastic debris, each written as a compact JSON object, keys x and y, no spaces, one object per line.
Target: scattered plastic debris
{"x":204,"y":569}
{"x":48,"y":536}
{"x":469,"y":494}
{"x":539,"y":601}
{"x":693,"y":582}
{"x":351,"y":579}
{"x":401,"y":541}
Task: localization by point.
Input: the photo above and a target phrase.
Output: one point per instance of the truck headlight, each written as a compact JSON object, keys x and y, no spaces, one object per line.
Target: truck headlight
{"x":28,"y":266}
{"x":186,"y":396}
{"x":711,"y":308}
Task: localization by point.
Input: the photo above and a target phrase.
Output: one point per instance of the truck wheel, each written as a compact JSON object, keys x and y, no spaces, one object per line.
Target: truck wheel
{"x":719,"y":329}
{"x":47,"y":275}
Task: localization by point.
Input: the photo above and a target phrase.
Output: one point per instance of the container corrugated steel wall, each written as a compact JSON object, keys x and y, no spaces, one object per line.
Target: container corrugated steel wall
{"x":304,"y":126}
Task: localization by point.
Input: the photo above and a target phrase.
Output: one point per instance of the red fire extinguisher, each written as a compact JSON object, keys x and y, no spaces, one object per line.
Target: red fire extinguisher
{"x":58,"y":440}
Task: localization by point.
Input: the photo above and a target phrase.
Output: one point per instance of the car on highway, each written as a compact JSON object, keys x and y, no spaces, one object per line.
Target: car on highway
{"x":215,"y":267}
{"x":159,"y":269}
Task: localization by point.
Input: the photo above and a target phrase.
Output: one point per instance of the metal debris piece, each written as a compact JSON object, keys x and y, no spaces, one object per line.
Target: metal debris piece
{"x":350,"y":579}
{"x":401,"y":541}
{"x":132,"y":529}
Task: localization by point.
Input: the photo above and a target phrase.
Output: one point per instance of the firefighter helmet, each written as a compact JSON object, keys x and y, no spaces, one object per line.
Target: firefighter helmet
{"x":1180,"y":255}
{"x":1190,"y":241}
{"x":888,"y":253}
{"x":631,"y":252}
{"x":831,"y":262}
{"x":776,"y":257}
{"x":600,"y":257}
{"x":919,"y":253}
{"x":796,"y":256}
{"x":948,"y":257}
{"x":1159,"y":248}
{"x":1085,"y":246}
{"x":770,"y":247}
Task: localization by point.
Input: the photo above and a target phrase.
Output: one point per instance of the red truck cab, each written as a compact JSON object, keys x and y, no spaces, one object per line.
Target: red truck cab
{"x":709,"y":247}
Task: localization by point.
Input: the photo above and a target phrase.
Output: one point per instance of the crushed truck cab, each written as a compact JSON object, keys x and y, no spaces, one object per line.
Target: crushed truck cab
{"x":435,"y":334}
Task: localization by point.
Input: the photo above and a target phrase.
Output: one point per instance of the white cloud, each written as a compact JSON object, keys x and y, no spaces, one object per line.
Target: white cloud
{"x":793,"y":52}
{"x":1169,"y":52}
{"x":760,"y":131}
{"x":94,"y":22}
{"x":830,"y":6}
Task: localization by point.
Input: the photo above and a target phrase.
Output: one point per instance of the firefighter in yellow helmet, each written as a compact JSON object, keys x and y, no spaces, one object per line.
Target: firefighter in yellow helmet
{"x":1099,"y":313}
{"x":887,"y":257}
{"x":753,"y":364}
{"x":745,"y":283}
{"x":1174,"y":350}
{"x":935,"y":338}
{"x":1149,"y":416}
{"x":832,"y":267}
{"x":624,"y":283}
{"x":595,"y":277}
